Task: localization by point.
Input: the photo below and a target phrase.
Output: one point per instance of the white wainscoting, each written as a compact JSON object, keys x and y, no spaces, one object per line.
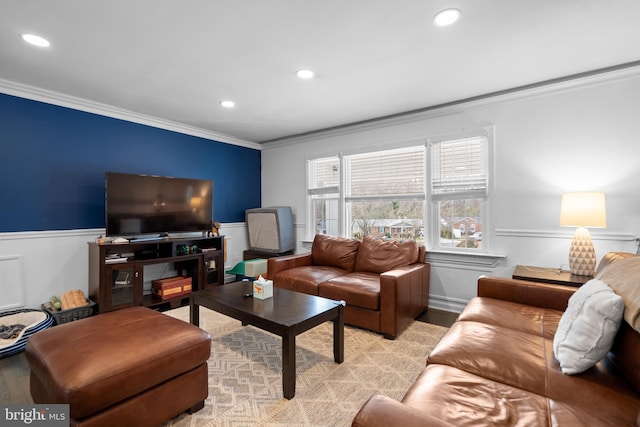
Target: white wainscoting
{"x":550,"y":248}
{"x":454,"y":276}
{"x":51,"y":262}
{"x":35,"y":265}
{"x":235,"y":234}
{"x":11,"y":282}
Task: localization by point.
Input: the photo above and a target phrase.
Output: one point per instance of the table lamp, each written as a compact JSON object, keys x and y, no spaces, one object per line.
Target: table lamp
{"x":582,"y":209}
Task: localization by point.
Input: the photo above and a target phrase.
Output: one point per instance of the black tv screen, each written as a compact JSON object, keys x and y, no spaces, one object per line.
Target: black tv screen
{"x":148,"y":204}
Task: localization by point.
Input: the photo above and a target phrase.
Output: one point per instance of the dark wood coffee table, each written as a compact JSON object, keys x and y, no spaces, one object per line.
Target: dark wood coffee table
{"x":286,"y":314}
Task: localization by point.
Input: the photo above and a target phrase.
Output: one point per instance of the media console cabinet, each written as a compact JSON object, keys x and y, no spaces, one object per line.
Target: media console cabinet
{"x":116,"y":270}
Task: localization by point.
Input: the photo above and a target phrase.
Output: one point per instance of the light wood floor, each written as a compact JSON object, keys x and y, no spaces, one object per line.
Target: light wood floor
{"x":14,"y":370}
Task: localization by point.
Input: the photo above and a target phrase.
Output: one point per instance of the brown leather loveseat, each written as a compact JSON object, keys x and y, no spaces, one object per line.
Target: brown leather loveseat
{"x":384,"y":283}
{"x":496,"y":366}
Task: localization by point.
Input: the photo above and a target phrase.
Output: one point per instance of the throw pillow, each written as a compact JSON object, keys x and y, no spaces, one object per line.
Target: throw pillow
{"x":334,"y":251}
{"x":588,"y":327}
{"x":379,"y":256}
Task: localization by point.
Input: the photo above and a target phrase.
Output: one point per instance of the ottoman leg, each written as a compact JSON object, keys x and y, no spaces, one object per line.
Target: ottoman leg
{"x":195,"y":408}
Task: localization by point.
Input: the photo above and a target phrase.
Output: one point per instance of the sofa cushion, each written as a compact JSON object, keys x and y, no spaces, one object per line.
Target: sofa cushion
{"x":571,"y":415}
{"x":459,"y":398}
{"x":359,"y":289}
{"x":600,"y":391}
{"x":587,"y":327}
{"x":377,"y":255}
{"x":490,"y":351}
{"x":334,"y":251}
{"x":520,"y":317}
{"x":306,"y":279}
{"x":622,"y":276}
{"x":462,"y":398}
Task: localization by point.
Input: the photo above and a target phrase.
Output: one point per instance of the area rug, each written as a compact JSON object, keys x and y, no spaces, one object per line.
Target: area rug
{"x":245,"y":380}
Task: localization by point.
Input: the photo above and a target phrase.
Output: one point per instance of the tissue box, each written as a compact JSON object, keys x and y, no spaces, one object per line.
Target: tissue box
{"x":263,"y":290}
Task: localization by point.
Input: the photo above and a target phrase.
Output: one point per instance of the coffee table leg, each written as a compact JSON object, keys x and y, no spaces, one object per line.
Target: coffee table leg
{"x":338,"y":337}
{"x":289,"y":365}
{"x":194,"y":312}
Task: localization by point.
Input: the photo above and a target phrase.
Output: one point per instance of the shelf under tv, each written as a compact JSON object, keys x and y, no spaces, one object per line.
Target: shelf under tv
{"x":103,"y":274}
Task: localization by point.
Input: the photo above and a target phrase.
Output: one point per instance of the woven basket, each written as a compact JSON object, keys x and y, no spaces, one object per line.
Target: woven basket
{"x":65,"y":316}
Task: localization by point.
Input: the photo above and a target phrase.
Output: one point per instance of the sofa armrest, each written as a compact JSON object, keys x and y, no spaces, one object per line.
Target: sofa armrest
{"x":281,"y":263}
{"x":537,"y":294}
{"x":383,"y":411}
{"x":404,"y":294}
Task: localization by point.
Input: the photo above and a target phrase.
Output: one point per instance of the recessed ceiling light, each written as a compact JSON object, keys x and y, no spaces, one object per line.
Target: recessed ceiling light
{"x":446,"y":17}
{"x":35,"y":40}
{"x":228,"y":104}
{"x":304,"y":74}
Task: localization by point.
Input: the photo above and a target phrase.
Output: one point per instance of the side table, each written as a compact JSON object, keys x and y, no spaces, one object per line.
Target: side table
{"x":554,"y":276}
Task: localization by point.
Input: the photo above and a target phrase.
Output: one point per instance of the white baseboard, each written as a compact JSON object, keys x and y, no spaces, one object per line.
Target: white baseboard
{"x":443,"y":303}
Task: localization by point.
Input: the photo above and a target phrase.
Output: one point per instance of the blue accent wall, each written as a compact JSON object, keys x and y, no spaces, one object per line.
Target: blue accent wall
{"x":53,"y":162}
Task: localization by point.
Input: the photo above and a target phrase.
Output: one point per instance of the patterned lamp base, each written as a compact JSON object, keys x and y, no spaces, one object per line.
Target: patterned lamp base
{"x":582,"y":255}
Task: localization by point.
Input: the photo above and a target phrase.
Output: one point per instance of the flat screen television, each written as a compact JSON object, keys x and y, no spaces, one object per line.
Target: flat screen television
{"x":271,"y":229}
{"x":137,"y":205}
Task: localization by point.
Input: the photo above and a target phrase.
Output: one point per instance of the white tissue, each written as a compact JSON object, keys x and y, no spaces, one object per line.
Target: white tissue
{"x":262,"y":289}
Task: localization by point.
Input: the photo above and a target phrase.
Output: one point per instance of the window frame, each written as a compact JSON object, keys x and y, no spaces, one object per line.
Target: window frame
{"x":312,"y":194}
{"x":433,"y":235}
{"x":431,"y":217}
{"x":379,"y":154}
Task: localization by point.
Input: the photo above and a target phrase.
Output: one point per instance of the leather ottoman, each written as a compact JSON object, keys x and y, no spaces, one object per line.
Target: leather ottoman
{"x":127,"y":367}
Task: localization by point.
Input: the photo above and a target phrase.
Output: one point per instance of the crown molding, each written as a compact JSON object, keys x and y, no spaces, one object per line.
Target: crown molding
{"x":55,"y":98}
{"x":520,"y":93}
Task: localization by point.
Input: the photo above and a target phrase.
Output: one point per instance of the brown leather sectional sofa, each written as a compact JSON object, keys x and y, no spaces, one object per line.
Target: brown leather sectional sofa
{"x":496,"y":365}
{"x":385,"y":284}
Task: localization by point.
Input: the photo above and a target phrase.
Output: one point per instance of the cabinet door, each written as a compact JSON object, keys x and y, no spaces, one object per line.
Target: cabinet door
{"x":123,"y":286}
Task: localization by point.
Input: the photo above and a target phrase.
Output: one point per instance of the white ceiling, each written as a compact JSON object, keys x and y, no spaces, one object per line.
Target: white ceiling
{"x":373,"y":58}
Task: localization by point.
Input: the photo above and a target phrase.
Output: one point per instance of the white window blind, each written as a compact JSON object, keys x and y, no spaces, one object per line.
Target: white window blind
{"x":324,"y":176}
{"x":399,"y":173}
{"x":459,"y":168}
{"x":383,"y":193}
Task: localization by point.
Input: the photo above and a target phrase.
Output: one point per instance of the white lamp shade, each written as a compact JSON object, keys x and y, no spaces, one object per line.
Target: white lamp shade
{"x":583,"y":209}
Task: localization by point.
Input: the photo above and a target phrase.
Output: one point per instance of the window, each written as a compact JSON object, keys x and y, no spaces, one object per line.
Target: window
{"x":386,"y":193}
{"x":323,"y":188}
{"x":459,"y":191}
{"x":385,"y":190}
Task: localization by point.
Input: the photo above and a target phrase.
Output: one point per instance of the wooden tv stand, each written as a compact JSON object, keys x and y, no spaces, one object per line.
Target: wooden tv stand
{"x":116,"y":270}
